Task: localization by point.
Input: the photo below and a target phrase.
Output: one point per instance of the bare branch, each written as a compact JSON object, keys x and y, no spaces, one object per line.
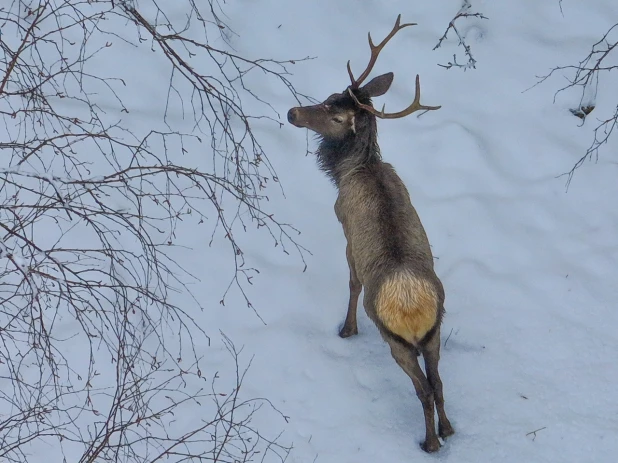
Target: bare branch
{"x":464,"y":12}
{"x":98,"y":329}
{"x":584,"y":76}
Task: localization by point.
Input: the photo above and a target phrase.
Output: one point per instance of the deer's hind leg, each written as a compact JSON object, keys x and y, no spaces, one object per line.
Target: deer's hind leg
{"x":406,"y":358}
{"x":431,"y":354}
{"x":350,"y":326}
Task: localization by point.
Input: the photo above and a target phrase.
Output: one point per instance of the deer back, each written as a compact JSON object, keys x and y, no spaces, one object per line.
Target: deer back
{"x":381,"y":226}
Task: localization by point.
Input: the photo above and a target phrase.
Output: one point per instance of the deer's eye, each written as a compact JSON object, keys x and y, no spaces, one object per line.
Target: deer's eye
{"x":338,"y":119}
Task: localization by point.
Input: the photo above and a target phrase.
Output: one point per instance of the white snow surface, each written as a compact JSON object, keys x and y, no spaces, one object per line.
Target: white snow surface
{"x":530,"y":269}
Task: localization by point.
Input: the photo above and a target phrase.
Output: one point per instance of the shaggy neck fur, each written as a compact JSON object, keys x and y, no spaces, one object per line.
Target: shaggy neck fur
{"x":338,"y":157}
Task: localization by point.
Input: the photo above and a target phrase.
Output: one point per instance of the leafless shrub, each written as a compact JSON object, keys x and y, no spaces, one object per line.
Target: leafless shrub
{"x":584,"y":76}
{"x":464,"y":12}
{"x":97,"y":349}
{"x":146,"y":418}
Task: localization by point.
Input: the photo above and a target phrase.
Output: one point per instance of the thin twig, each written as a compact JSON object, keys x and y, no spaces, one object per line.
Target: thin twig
{"x":535,"y":431}
{"x":464,"y":12}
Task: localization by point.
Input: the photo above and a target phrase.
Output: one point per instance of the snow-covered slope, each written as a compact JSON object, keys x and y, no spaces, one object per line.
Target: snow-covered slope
{"x":530,"y":270}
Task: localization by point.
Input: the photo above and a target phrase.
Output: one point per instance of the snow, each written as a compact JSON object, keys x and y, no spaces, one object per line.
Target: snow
{"x":529,"y":268}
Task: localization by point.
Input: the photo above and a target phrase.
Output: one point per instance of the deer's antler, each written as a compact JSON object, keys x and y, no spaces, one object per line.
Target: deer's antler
{"x":415,"y":106}
{"x":375,"y":51}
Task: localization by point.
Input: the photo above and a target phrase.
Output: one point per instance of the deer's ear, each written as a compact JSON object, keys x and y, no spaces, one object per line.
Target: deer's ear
{"x":379,"y":85}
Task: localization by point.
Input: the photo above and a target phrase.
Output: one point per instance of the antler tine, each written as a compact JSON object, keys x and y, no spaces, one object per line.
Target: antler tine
{"x":415,"y":106}
{"x":375,"y":51}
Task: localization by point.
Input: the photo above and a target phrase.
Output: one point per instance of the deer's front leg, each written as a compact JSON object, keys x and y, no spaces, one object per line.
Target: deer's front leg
{"x":350,"y":327}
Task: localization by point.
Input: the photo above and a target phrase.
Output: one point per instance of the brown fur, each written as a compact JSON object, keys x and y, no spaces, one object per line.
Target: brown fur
{"x":387,"y":249}
{"x":390,"y":251}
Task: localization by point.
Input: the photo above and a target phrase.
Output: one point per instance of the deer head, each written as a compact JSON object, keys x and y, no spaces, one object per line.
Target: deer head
{"x":337,"y":117}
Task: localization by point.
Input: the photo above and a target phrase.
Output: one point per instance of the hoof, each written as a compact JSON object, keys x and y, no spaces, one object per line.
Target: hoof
{"x":346,"y":332}
{"x":430,"y":446}
{"x":445,"y":430}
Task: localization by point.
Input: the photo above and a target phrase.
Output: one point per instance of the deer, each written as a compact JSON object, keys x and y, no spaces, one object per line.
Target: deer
{"x":387,"y":249}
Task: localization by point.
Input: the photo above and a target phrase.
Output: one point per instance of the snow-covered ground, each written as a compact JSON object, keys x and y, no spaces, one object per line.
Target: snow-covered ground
{"x":530,"y":270}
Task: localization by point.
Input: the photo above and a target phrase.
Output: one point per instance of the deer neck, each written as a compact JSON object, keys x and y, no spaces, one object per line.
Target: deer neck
{"x":339,"y":159}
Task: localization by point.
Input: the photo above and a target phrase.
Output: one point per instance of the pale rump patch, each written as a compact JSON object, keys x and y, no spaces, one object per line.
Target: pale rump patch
{"x":407,"y":306}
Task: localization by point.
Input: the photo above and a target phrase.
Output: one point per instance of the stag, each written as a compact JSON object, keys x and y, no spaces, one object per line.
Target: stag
{"x":387,"y":249}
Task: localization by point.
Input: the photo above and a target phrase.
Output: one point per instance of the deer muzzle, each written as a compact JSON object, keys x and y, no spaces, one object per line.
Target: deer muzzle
{"x":294,"y":116}
{"x":307,"y":116}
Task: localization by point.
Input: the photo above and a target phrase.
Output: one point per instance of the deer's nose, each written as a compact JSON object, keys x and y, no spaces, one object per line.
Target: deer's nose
{"x":292,"y":115}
